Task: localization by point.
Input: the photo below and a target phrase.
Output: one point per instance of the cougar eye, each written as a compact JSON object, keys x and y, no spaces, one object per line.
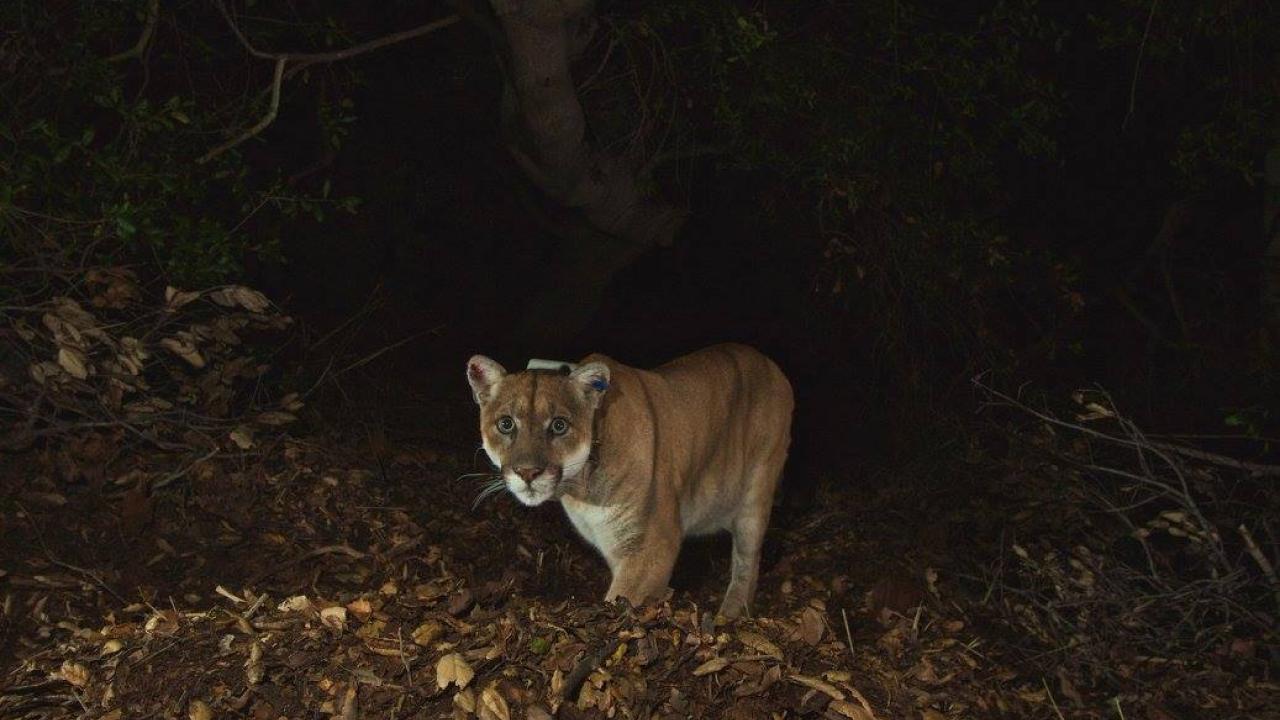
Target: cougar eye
{"x":506,"y":425}
{"x":558,"y":426}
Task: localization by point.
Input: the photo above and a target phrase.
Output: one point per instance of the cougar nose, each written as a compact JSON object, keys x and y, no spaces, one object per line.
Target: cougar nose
{"x":528,"y":473}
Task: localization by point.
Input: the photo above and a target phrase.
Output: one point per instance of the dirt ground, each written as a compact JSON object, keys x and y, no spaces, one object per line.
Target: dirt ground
{"x":319,"y":576}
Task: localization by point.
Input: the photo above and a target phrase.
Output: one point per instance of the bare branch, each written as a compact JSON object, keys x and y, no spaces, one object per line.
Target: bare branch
{"x":276,"y":81}
{"x":149,"y":29}
{"x":1255,"y":552}
{"x":302,"y":61}
{"x":306,"y":60}
{"x":1255,"y":469}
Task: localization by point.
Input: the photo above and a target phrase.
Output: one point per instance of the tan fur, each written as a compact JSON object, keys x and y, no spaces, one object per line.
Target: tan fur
{"x":691,"y":448}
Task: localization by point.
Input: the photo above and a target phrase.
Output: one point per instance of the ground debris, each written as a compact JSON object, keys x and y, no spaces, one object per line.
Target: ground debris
{"x":344,"y":595}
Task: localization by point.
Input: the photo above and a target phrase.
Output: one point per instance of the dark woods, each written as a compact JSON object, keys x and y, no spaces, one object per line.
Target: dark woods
{"x":919,"y":209}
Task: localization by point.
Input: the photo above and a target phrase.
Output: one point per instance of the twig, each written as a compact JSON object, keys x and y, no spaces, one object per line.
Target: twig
{"x":302,"y":61}
{"x":1257,"y":469}
{"x":1264,"y":564}
{"x":182,"y":472}
{"x":68,"y":566}
{"x":585,"y":667}
{"x":326,"y":550}
{"x":408,"y":674}
{"x":1057,"y":711}
{"x":309,"y":59}
{"x":379,"y":353}
{"x":370,"y":304}
{"x":848,"y":636}
{"x":148,"y":29}
{"x":1137,"y":69}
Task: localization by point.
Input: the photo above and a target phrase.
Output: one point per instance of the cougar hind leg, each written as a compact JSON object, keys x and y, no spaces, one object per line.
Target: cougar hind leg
{"x":748,"y":531}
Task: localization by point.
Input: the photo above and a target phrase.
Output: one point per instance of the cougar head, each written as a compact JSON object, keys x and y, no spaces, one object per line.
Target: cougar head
{"x":536,"y":425}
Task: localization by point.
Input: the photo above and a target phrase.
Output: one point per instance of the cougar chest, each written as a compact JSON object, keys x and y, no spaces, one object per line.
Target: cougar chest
{"x":600,"y":525}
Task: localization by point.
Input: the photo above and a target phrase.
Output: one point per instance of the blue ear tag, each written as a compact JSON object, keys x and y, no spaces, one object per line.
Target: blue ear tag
{"x":599,"y":385}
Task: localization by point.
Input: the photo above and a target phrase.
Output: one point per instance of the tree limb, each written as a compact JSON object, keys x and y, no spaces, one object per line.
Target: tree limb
{"x":149,"y":29}
{"x":301,"y":61}
{"x":276,"y":81}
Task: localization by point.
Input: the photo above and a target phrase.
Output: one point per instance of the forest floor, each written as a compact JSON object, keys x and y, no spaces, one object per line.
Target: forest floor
{"x":326,"y":577}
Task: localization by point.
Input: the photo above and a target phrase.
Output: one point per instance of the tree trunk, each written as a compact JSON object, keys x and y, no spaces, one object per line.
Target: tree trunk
{"x":546,"y":132}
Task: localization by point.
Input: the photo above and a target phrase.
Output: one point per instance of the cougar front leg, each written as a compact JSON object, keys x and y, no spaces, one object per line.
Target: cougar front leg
{"x":644,"y":573}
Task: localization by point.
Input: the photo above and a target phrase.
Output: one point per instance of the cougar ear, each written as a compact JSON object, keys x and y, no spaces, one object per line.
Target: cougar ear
{"x":483,"y":374}
{"x":593,"y":380}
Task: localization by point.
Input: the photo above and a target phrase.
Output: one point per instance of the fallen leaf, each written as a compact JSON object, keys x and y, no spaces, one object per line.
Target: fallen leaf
{"x":42,"y":371}
{"x":493,"y":706}
{"x":349,"y":709}
{"x":360,"y":607}
{"x":74,"y":362}
{"x":850,"y":710}
{"x":199,"y":710}
{"x":452,"y":668}
{"x":74,"y":673}
{"x":24,"y":330}
{"x":175,"y":298}
{"x":371,"y":630}
{"x":242,"y":436}
{"x":426,"y":633}
{"x":334,"y":617}
{"x":297,"y":603}
{"x":811,"y":626}
{"x":465,"y":699}
{"x":274,"y":418}
{"x":760,"y":644}
{"x":460,"y":602}
{"x":164,"y":622}
{"x":812,"y":682}
{"x":713,"y":665}
{"x":247,"y":298}
{"x":184,"y":349}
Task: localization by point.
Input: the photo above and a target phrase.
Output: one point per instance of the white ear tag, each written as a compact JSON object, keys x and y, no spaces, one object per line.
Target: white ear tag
{"x":554,"y":365}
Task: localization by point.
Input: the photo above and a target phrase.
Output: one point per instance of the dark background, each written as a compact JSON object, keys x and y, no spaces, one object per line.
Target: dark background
{"x":1018,"y":258}
{"x":890,"y":199}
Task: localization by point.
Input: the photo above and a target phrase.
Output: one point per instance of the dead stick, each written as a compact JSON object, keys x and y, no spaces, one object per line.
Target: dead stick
{"x":1263,"y":562}
{"x":326,"y":550}
{"x":1214,"y":458}
{"x":74,"y":568}
{"x":149,"y":29}
{"x":585,"y":667}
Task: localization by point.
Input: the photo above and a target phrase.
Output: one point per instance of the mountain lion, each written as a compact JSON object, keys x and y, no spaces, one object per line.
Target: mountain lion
{"x":641,"y":459}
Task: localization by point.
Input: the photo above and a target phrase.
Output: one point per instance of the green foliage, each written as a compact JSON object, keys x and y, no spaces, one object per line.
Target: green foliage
{"x":1216,"y":51}
{"x":107,"y":150}
{"x":917,"y":134}
{"x":900,"y":127}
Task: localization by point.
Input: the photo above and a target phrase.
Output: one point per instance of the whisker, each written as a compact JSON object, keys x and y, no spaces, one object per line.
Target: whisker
{"x":496,"y":485}
{"x":468,"y":476}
